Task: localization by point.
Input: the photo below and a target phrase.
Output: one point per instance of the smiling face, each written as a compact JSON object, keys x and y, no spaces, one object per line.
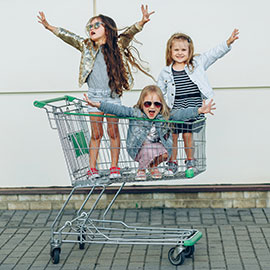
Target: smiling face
{"x":152,"y":105}
{"x":180,"y":52}
{"x":97,"y":31}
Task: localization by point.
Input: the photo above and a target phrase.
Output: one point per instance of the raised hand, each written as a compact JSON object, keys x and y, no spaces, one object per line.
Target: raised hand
{"x":44,"y":22}
{"x":207,"y":108}
{"x":42,"y":19}
{"x":145,"y":15}
{"x":233,"y":37}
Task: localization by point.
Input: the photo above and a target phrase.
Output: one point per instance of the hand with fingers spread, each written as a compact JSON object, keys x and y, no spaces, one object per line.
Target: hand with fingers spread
{"x":42,"y":20}
{"x":234,"y":36}
{"x":90,"y":102}
{"x":145,"y":15}
{"x":207,"y":108}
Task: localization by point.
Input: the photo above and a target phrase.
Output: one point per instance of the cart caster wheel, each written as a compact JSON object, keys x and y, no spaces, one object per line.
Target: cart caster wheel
{"x":189,"y":251}
{"x":55,"y":254}
{"x":189,"y":173}
{"x":178,"y":260}
{"x":81,"y":245}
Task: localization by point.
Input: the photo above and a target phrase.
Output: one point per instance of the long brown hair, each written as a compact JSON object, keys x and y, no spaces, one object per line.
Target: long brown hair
{"x":182,"y":37}
{"x":153,"y":89}
{"x":118,"y":75}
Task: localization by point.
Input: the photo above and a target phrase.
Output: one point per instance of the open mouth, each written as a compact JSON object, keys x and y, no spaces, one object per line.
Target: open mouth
{"x":92,"y":33}
{"x":152,"y":113}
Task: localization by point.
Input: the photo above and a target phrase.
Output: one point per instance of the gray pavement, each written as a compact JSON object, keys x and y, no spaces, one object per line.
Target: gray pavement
{"x":233,"y":239}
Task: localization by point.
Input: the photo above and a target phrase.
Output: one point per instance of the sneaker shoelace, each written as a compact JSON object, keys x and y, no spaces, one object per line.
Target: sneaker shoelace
{"x":114,"y":170}
{"x":92,"y":171}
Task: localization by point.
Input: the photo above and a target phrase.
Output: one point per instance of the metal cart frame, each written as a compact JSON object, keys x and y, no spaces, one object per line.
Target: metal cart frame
{"x":70,"y":118}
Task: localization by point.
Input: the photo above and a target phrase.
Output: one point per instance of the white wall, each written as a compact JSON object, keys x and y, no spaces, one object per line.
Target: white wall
{"x":35,"y":64}
{"x":34,"y":59}
{"x":237,"y":141}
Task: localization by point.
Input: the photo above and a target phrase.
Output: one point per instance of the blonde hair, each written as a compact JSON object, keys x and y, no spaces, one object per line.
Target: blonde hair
{"x":182,"y":37}
{"x":153,"y":89}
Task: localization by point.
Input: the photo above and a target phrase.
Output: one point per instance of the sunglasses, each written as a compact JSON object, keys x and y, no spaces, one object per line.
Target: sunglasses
{"x":96,"y":25}
{"x":148,"y":104}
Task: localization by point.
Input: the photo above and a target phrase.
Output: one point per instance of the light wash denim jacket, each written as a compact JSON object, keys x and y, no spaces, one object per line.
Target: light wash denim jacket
{"x":85,"y":46}
{"x":139,"y":129}
{"x":198,"y":75}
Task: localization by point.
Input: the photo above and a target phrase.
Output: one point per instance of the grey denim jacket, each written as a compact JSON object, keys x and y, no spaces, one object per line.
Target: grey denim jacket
{"x":86,"y":47}
{"x":138,"y":129}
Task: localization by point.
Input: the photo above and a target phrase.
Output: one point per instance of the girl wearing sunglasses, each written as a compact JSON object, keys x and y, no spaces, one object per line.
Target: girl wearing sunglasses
{"x":184,"y":84}
{"x":150,"y":142}
{"x":105,"y":67}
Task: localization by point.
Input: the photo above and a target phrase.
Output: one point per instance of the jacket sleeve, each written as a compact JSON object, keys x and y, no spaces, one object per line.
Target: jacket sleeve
{"x":161,"y":82}
{"x":210,"y":57}
{"x":163,"y":85}
{"x":70,"y":38}
{"x":118,"y":110}
{"x":184,"y":114}
{"x":126,"y":37}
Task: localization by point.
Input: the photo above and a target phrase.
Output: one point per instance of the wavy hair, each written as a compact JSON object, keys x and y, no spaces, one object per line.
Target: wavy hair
{"x":182,"y":37}
{"x":118,"y":75}
{"x":153,"y":89}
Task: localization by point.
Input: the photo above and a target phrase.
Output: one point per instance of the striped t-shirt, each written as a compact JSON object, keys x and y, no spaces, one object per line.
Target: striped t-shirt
{"x":187,"y":93}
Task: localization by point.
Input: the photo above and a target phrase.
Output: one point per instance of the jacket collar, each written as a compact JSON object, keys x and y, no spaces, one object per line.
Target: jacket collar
{"x":168,"y":68}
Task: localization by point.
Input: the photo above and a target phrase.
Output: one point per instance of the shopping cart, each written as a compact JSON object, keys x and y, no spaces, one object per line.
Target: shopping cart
{"x":70,"y":117}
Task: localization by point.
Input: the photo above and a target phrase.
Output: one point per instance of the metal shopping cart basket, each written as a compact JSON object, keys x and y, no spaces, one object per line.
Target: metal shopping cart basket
{"x":70,"y":117}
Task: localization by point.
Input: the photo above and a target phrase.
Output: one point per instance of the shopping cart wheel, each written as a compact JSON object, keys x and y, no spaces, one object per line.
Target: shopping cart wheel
{"x":55,"y":254}
{"x":189,"y":251}
{"x":176,"y":260}
{"x":81,"y":245}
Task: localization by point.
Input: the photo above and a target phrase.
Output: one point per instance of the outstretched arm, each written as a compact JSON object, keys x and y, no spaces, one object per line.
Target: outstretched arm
{"x":109,"y":108}
{"x":211,"y":56}
{"x":67,"y":36}
{"x":127,"y":36}
{"x":207,"y":108}
{"x":233,"y":37}
{"x":42,"y":19}
{"x":145,"y":15}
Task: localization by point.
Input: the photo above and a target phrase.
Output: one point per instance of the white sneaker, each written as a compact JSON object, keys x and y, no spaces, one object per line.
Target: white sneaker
{"x":115,"y":173}
{"x":172,"y":168}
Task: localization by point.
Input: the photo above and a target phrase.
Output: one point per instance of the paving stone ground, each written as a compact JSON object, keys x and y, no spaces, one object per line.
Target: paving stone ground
{"x":233,"y":239}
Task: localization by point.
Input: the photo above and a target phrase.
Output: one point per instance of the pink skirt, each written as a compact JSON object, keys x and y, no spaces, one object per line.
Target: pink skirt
{"x":148,"y":153}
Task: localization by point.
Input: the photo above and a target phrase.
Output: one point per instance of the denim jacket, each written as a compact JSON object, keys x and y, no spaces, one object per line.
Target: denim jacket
{"x":139,"y":129}
{"x":198,"y":75}
{"x":88,"y":52}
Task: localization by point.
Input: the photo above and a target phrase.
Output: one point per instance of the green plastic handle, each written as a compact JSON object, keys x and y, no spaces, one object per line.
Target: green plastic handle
{"x":42,"y":103}
{"x":193,"y":240}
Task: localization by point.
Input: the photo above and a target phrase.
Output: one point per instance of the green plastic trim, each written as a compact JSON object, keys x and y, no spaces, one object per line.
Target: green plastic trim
{"x":42,"y":103}
{"x":193,"y":240}
{"x":133,"y":118}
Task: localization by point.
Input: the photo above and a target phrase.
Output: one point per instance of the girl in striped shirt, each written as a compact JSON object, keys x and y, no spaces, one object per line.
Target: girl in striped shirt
{"x":184,"y":84}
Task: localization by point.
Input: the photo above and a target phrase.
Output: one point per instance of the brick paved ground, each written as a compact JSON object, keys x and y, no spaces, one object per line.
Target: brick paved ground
{"x":233,"y":239}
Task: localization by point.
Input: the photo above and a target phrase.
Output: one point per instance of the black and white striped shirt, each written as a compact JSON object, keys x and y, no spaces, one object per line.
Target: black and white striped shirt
{"x":187,"y":93}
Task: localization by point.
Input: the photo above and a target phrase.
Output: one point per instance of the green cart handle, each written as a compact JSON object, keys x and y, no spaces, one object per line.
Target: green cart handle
{"x":42,"y":103}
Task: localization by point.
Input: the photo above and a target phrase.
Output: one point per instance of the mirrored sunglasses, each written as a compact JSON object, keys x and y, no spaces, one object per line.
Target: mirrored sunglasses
{"x":148,"y":104}
{"x":95,"y":25}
